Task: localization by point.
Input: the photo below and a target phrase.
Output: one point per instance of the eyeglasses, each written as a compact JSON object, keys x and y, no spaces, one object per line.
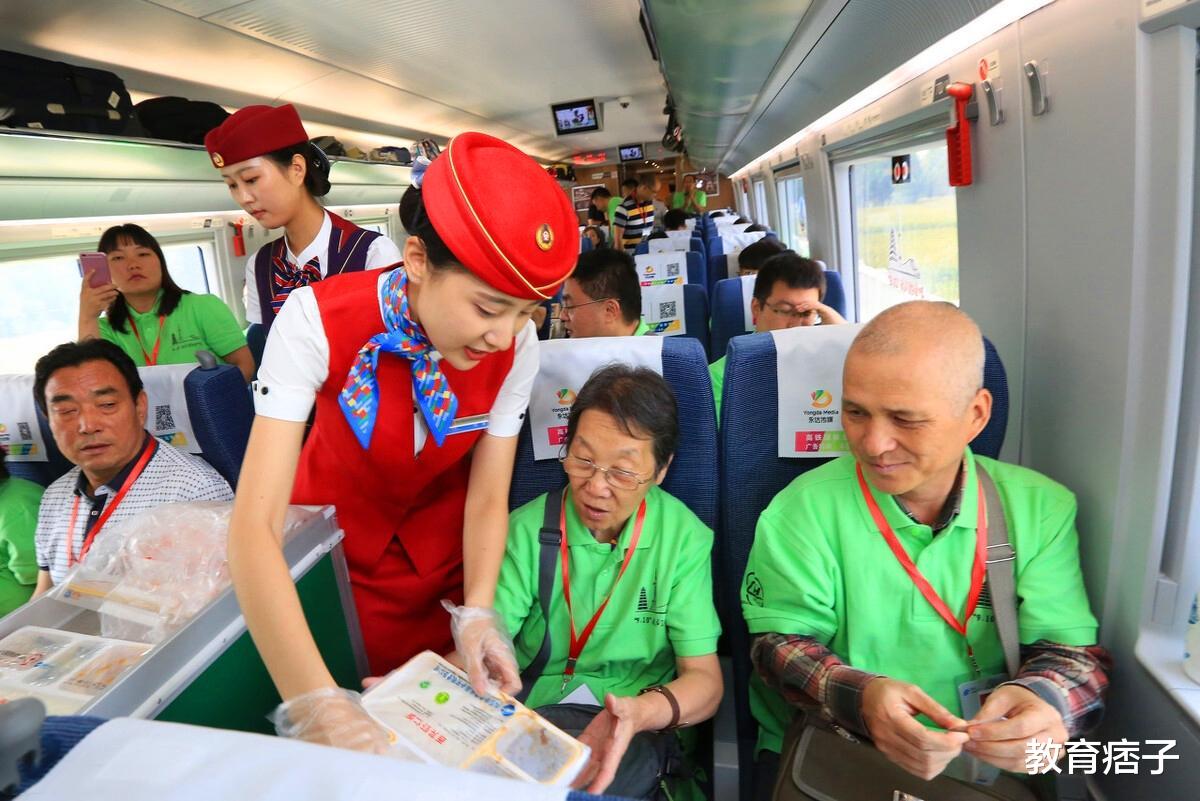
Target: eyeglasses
{"x":567,"y":310}
{"x":578,"y":467}
{"x":788,"y":310}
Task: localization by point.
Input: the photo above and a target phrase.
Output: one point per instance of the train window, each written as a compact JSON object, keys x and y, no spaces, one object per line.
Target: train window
{"x":190,"y":265}
{"x":48,"y":313}
{"x":48,"y":287}
{"x":377,"y":227}
{"x":743,"y":198}
{"x":793,"y":217}
{"x":905,"y":228}
{"x":760,"y":202}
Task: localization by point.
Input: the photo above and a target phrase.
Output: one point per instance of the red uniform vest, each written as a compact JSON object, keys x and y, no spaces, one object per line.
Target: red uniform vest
{"x":403,"y":515}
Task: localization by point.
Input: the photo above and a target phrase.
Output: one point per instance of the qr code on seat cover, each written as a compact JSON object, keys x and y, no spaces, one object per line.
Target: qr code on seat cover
{"x":666,"y":310}
{"x":672,"y":270}
{"x":163,"y":419}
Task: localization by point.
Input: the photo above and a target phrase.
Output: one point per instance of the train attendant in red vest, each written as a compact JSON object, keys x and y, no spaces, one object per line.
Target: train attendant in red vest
{"x":276,"y":176}
{"x":421,"y":377}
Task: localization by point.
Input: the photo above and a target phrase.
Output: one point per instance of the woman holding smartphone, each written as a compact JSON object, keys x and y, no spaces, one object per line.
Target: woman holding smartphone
{"x":420,"y":376}
{"x":147,"y":314}
{"x":276,"y":176}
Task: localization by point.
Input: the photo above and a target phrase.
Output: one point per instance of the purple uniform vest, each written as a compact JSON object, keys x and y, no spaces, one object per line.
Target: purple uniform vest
{"x":348,"y":246}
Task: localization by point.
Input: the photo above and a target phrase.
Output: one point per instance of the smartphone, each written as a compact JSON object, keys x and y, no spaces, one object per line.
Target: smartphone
{"x":98,"y":264}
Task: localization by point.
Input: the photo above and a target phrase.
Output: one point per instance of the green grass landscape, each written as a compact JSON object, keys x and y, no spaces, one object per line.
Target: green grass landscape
{"x":928,"y":234}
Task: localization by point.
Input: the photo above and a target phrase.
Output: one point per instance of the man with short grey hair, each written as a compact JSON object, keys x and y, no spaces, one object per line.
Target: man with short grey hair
{"x":866,"y":583}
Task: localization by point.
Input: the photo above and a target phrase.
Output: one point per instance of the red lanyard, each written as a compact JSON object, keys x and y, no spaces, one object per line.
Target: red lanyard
{"x":579,"y":641}
{"x":152,"y":357}
{"x":978,"y":569}
{"x":109,"y":508}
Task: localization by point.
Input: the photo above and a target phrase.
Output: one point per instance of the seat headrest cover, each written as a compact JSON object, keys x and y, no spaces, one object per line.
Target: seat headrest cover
{"x":254,"y":131}
{"x":502,"y":216}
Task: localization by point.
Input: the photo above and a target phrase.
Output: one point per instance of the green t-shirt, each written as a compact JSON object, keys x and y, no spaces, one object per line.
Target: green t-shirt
{"x":716,"y":374}
{"x":613,"y":202}
{"x":19,"y":501}
{"x":819,"y":567}
{"x":700,"y":198}
{"x":661,"y":609}
{"x":199,"y":322}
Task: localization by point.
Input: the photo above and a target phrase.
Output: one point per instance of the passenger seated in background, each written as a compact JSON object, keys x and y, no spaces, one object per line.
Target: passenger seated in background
{"x":651,"y":659}
{"x":634,"y":218}
{"x":755,"y":228}
{"x":691,"y":200}
{"x":751,"y":259}
{"x":603,"y":297}
{"x":19,"y":500}
{"x":841,"y":625}
{"x":92,"y":395}
{"x":742,"y":221}
{"x":598,"y":207}
{"x":787,"y":292}
{"x":148,"y":315}
{"x":675,"y":220}
{"x":596,"y":235}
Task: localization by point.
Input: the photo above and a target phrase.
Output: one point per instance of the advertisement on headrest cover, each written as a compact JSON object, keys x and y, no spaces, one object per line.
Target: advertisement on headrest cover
{"x":167,"y":414}
{"x":808,"y":367}
{"x":20,"y":433}
{"x":670,"y":244}
{"x":566,"y":365}
{"x":661,"y":268}
{"x":663,"y":310}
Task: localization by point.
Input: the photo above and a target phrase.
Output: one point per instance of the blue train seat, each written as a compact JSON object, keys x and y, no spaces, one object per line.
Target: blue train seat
{"x":752,"y":474}
{"x":692,"y":477}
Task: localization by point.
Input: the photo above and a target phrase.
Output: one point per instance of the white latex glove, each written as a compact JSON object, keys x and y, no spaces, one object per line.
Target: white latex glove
{"x":485,"y":648}
{"x":331,"y":716}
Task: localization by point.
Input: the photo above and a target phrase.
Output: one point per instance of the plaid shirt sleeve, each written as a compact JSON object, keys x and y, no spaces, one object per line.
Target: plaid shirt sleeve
{"x":805,"y":672}
{"x":1072,"y":679}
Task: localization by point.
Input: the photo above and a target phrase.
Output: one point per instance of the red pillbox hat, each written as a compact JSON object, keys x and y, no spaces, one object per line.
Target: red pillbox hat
{"x":254,"y":131}
{"x":505,"y":219}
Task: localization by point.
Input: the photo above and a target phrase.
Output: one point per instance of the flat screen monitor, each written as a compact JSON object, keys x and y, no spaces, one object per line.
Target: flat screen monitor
{"x":631,"y":153}
{"x":578,"y":116}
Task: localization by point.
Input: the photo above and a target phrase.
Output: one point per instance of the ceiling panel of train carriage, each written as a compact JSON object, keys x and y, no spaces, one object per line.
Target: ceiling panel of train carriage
{"x":745,"y":76}
{"x":430,"y":67}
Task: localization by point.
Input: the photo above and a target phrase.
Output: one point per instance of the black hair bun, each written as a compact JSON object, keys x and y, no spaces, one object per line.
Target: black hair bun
{"x":318,"y":171}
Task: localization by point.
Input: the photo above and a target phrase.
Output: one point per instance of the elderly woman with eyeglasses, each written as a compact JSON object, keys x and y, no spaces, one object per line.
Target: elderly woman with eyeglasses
{"x":630,"y":652}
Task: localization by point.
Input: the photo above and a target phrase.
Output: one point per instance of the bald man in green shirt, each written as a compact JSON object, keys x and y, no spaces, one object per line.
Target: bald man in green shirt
{"x":842,"y":623}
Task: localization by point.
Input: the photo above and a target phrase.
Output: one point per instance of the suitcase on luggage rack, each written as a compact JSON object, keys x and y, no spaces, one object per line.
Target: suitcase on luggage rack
{"x":178,"y":119}
{"x":40,"y":93}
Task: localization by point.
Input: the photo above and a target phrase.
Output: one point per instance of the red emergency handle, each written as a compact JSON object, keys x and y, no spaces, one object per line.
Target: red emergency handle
{"x":958,"y":135}
{"x":239,"y":240}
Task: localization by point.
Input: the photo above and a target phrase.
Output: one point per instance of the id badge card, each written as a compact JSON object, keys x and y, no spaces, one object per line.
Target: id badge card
{"x":464,"y":425}
{"x":972,"y":695}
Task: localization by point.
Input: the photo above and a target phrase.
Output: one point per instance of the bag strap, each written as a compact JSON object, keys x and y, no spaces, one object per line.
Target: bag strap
{"x":549,"y":538}
{"x":1001,"y":583}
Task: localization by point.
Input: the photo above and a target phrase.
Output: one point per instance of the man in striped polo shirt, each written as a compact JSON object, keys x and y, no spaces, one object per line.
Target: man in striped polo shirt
{"x":92,"y":395}
{"x":634,"y":218}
